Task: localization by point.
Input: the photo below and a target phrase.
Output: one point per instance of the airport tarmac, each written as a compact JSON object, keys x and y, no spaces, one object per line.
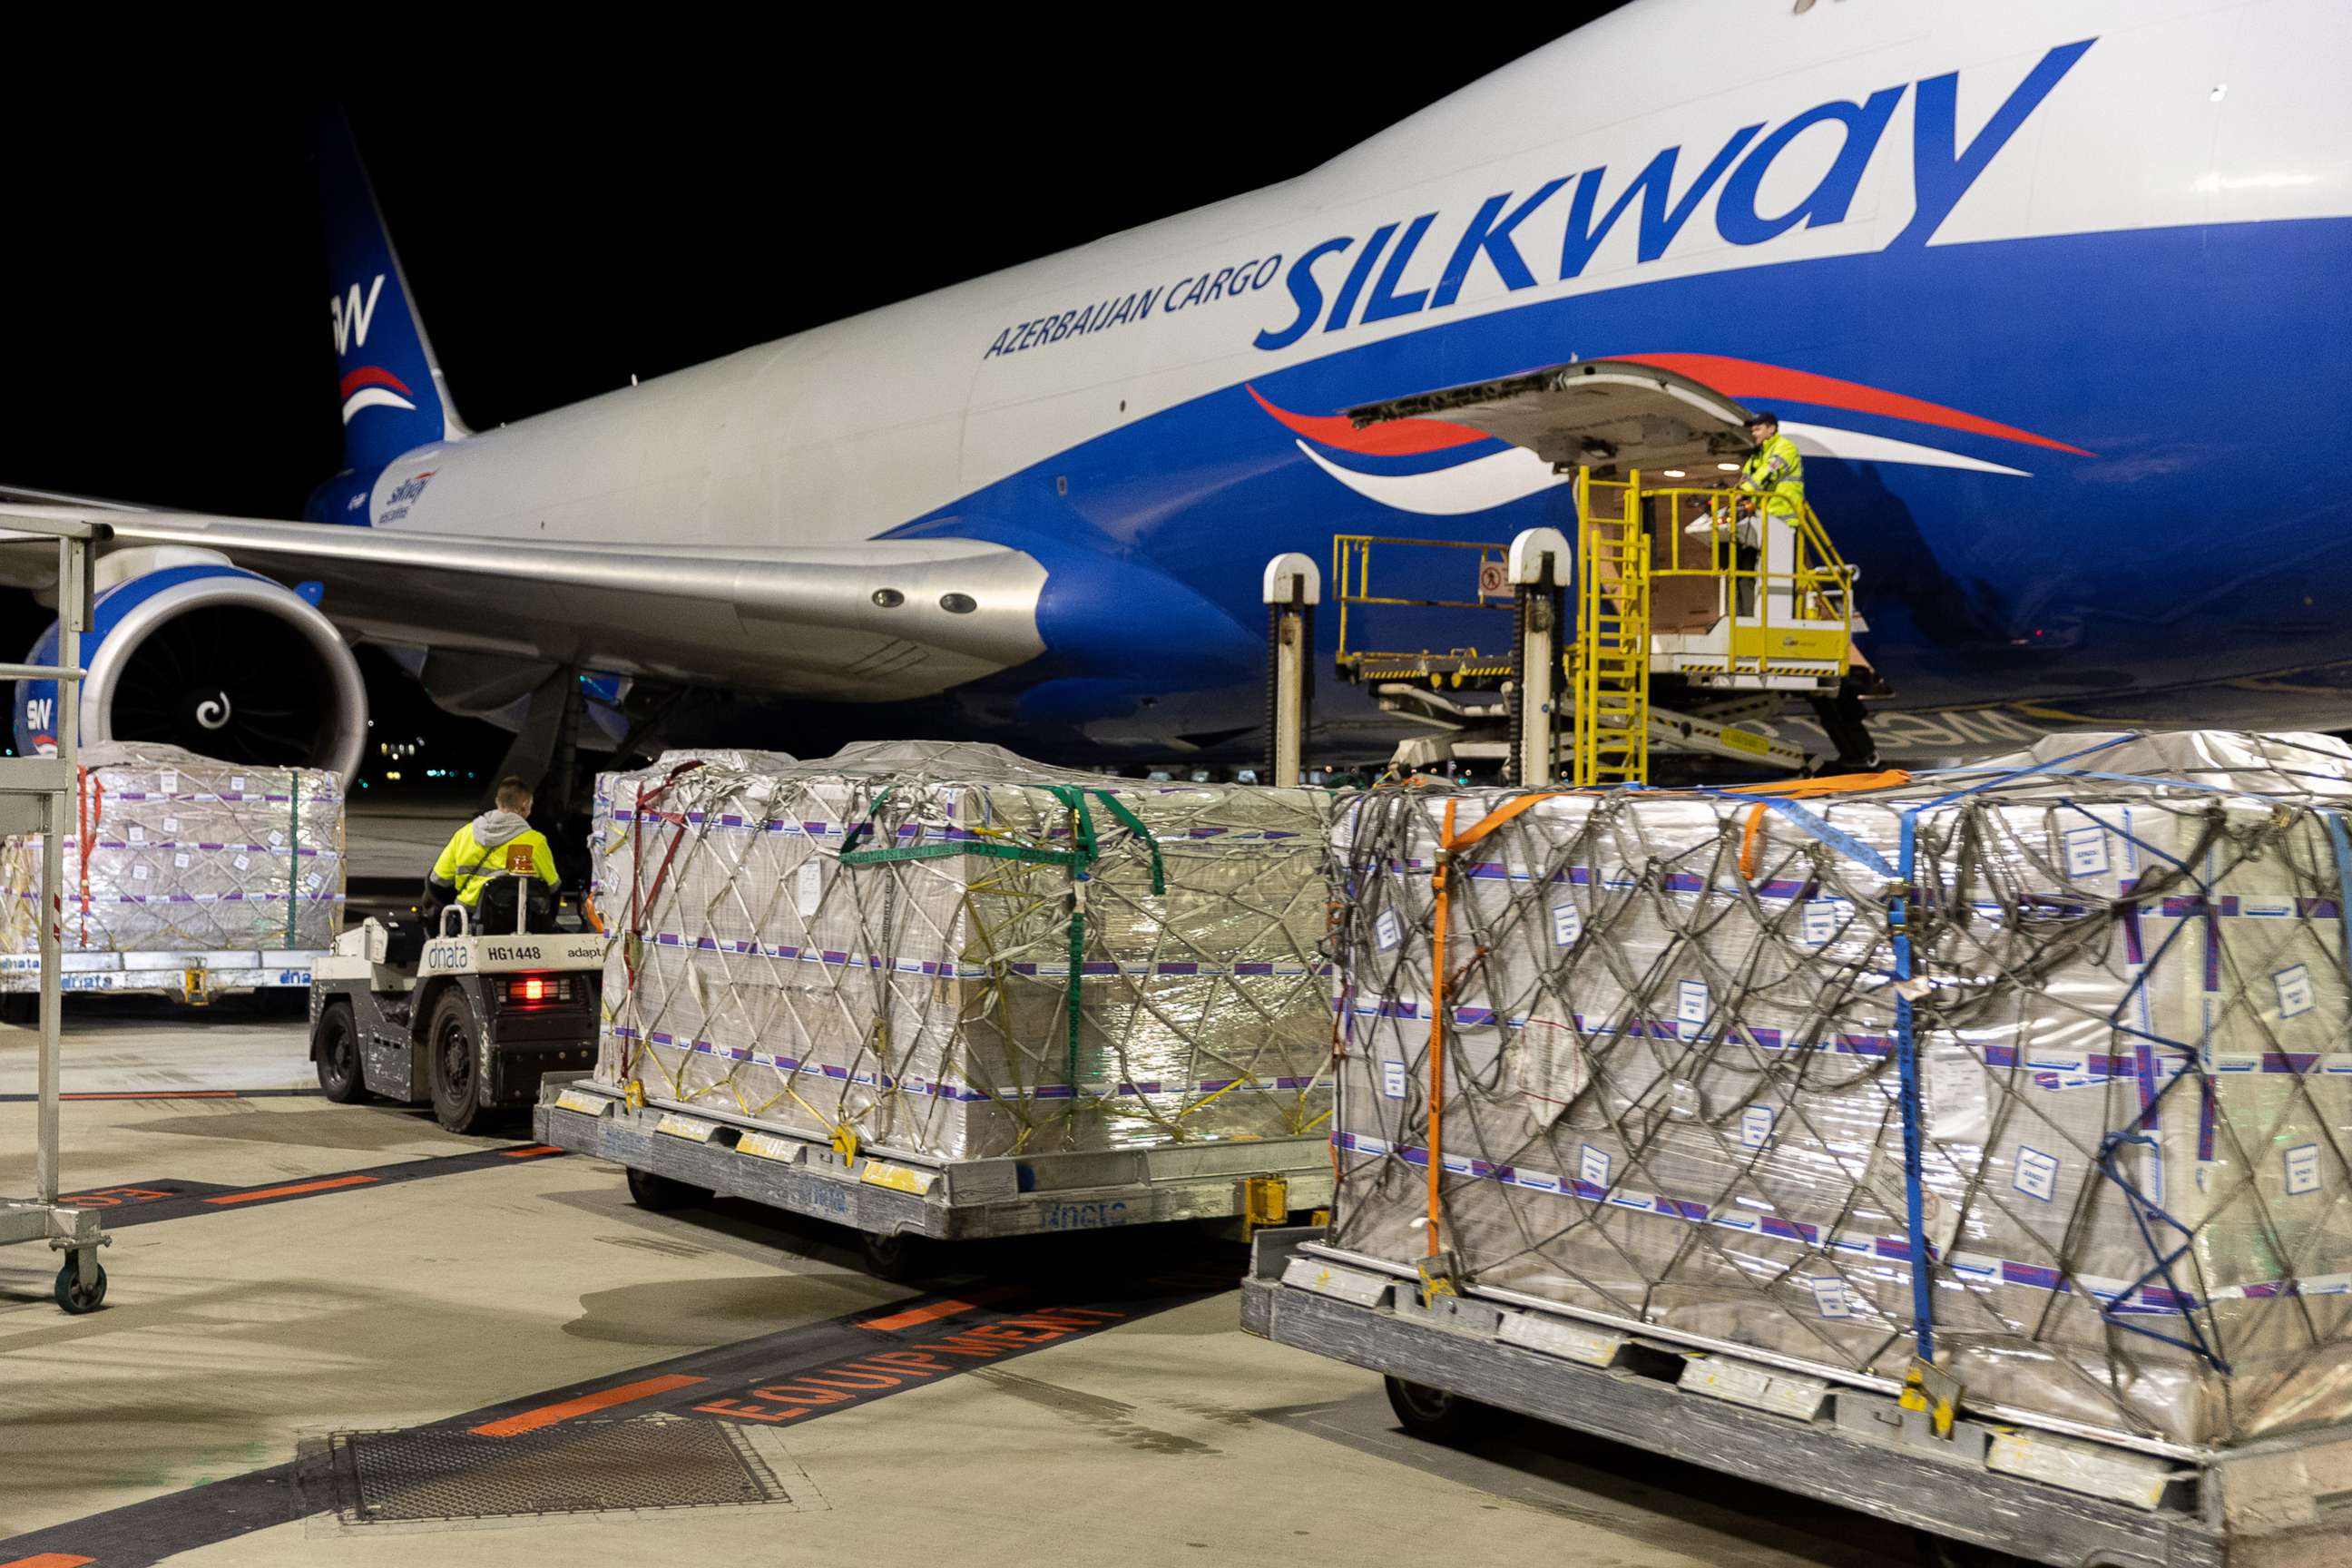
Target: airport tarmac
{"x":338,"y":1334}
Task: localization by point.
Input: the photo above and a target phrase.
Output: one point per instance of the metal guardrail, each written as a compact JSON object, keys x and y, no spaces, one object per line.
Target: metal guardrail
{"x":1352,"y":578}
{"x":36,"y":796}
{"x":1795,"y":621}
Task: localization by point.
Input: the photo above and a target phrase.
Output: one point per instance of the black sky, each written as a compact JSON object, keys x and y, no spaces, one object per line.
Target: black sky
{"x":570,"y":213}
{"x":563,"y":228}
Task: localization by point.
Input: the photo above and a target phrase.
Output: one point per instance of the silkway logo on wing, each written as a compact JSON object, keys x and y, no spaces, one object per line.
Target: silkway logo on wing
{"x":370,"y":385}
{"x":1469,"y":474}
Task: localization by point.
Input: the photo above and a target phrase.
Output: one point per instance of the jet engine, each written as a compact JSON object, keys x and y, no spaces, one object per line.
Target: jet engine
{"x":187,"y":649}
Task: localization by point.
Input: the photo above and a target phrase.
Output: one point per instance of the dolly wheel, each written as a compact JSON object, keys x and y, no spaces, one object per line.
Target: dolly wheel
{"x":71,"y":1293}
{"x":898,"y":1256}
{"x":1433,"y":1415}
{"x":1943,"y":1552}
{"x":661,"y":1193}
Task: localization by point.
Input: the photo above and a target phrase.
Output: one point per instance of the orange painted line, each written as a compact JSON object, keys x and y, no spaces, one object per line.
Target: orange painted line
{"x":604,"y":1398}
{"x":328,"y":1184}
{"x":931,"y":1314}
{"x":49,"y":1559}
{"x":535,"y":1150}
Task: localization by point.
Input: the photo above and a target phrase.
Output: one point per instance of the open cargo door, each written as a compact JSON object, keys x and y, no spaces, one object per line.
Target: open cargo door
{"x":1606,"y":415}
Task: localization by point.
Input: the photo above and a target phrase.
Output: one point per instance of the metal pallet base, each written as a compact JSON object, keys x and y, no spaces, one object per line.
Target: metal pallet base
{"x":190,"y":976}
{"x":889,"y":1193}
{"x":2279,"y":1503}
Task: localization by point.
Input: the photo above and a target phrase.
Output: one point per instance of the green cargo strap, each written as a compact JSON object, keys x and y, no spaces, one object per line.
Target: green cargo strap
{"x":1088,"y":849}
{"x":849,"y":840}
{"x":293,"y":851}
{"x":943,"y":851}
{"x":1079,"y":860}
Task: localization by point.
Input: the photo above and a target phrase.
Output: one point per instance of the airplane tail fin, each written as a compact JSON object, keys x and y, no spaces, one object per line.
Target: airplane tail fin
{"x":394,"y":395}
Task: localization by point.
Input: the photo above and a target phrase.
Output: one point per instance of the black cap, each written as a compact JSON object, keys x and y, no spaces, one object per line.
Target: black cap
{"x":1764,"y":417}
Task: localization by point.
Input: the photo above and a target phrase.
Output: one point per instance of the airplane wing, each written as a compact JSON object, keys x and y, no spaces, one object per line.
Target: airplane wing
{"x":877,"y":620}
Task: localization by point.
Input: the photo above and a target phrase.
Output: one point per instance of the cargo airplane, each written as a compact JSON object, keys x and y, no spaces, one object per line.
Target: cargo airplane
{"x":2043,"y":289}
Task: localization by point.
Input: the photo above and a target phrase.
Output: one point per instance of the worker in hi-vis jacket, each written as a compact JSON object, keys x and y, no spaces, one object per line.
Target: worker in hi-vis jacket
{"x":1771,"y":488}
{"x":499,"y":843}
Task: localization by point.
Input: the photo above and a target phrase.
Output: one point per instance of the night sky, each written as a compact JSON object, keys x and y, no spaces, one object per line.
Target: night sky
{"x":167,"y":337}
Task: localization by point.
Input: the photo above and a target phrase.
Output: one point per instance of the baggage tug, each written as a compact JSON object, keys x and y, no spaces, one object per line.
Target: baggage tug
{"x":467,"y":1020}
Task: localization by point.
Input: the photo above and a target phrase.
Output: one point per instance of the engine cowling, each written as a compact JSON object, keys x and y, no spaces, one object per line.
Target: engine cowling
{"x":203,"y":654}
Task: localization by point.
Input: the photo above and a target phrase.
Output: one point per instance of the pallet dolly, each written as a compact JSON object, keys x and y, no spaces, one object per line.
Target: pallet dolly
{"x":2022,"y":1486}
{"x":899,"y":1202}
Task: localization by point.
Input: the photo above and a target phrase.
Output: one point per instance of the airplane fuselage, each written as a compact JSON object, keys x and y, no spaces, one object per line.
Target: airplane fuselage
{"x":2049,"y":295}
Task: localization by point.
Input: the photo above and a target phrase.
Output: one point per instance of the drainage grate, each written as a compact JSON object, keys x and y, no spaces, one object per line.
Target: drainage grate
{"x":577,"y":1467}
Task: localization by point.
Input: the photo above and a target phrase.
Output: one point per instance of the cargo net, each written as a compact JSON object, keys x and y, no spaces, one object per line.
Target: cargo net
{"x":2041,"y":1067}
{"x":945,"y":949}
{"x":175,"y":853}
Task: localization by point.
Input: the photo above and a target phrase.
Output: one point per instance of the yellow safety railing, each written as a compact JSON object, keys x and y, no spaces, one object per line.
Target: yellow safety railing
{"x":1351,"y":577}
{"x":1795,"y":618}
{"x":1610,"y":663}
{"x":1779,"y":602}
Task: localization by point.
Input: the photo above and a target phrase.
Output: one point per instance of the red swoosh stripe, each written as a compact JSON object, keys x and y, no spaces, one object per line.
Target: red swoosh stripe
{"x":1389,"y":438}
{"x":1745,"y":378}
{"x":375,"y":375}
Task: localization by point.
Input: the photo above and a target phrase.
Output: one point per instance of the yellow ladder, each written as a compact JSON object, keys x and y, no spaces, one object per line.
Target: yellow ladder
{"x":1612,"y":632}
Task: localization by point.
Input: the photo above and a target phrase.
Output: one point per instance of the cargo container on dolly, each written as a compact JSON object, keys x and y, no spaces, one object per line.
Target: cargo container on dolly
{"x":185,"y":877}
{"x":932,"y":992}
{"x":1973,"y":1149}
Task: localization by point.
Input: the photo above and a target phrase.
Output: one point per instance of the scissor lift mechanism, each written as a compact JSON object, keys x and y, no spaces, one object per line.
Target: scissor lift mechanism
{"x":1607,"y":663}
{"x":1629,"y":437}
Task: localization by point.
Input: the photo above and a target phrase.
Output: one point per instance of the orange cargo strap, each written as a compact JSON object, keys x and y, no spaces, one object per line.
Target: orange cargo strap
{"x":1751,"y":841}
{"x":1751,"y":834}
{"x":1836,"y":783}
{"x":1437,"y":1022}
{"x":89,"y":803}
{"x":1452,"y":843}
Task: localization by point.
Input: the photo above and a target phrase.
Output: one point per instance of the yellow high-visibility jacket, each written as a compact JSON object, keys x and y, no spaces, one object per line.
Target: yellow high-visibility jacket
{"x":1777,"y":472}
{"x":484,"y":849}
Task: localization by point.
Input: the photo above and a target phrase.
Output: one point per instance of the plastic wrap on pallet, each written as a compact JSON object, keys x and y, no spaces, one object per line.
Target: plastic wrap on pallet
{"x":173,"y":852}
{"x":1677,"y":1028}
{"x":877,"y":945}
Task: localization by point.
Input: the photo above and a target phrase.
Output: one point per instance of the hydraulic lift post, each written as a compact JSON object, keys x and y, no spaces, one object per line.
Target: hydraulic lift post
{"x":1294,"y":584}
{"x":1540,"y":565}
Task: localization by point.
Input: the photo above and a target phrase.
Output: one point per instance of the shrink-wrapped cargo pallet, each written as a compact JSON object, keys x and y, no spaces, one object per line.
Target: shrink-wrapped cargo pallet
{"x":1682,"y":1038}
{"x":177,"y":853}
{"x":948,"y":951}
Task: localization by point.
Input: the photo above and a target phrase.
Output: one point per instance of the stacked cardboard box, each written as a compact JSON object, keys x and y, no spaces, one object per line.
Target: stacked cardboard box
{"x":879,"y":944}
{"x":1674,"y":1067}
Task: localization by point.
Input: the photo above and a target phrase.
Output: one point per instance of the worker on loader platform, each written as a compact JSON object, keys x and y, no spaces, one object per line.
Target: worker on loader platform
{"x":1775,"y":470}
{"x":1771,"y":489}
{"x":494,"y":845}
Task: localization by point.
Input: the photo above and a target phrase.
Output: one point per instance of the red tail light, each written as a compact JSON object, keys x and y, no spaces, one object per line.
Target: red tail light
{"x":538,"y":990}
